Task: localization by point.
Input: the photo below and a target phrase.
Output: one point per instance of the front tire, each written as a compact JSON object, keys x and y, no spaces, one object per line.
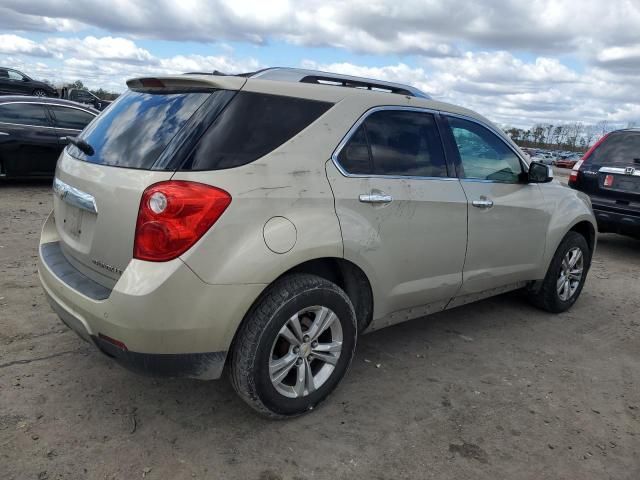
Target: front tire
{"x":565,"y":278}
{"x":294,"y":346}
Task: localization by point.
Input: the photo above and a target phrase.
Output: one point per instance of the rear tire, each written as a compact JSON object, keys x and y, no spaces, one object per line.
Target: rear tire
{"x":561,"y":286}
{"x":38,"y":92}
{"x":294,"y":346}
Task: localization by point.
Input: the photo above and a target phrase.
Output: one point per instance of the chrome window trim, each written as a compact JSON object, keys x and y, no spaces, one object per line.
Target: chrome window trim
{"x":360,"y":121}
{"x":74,"y":196}
{"x":44,"y":105}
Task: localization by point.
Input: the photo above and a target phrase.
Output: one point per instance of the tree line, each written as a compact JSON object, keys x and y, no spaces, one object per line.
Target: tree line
{"x":574,"y":136}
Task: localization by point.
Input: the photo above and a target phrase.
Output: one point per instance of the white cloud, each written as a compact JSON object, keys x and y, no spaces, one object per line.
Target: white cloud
{"x":12,"y":44}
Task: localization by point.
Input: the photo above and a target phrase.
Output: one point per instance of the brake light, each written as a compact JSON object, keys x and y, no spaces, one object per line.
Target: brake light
{"x":174,"y":215}
{"x":573,"y":177}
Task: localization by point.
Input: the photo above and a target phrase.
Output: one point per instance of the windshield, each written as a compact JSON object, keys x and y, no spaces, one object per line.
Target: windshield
{"x":137,"y":127}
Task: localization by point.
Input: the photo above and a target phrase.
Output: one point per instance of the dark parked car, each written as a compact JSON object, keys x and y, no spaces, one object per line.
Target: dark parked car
{"x":13,"y":82}
{"x":33,"y":132}
{"x":86,"y":97}
{"x":610,"y":174}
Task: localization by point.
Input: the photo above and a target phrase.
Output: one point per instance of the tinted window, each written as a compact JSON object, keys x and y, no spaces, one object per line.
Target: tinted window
{"x":4,"y":73}
{"x":251,"y":126}
{"x":71,"y":117}
{"x":354,"y":156}
{"x":405,"y":143}
{"x":483,"y":154}
{"x":402,"y":143}
{"x":619,"y":149}
{"x":24,"y":114}
{"x":137,"y":127}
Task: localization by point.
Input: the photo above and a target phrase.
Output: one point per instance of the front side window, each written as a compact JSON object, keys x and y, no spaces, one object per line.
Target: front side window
{"x":24,"y":114}
{"x":395,"y":143}
{"x":15,"y":75}
{"x":483,"y":155}
{"x":71,"y":118}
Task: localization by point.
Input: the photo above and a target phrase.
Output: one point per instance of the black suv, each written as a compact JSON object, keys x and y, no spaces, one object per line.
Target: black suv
{"x":13,"y":82}
{"x":610,"y":174}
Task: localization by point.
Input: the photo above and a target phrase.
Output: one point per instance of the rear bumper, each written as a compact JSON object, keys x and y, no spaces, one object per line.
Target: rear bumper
{"x":163,"y":318}
{"x":627,"y":223}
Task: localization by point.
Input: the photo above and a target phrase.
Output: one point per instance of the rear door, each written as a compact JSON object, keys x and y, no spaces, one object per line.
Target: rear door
{"x":403,"y":216}
{"x":28,"y":141}
{"x":508,"y":220}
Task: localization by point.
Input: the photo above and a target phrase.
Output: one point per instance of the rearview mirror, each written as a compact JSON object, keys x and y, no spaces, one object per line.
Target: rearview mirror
{"x":540,"y":173}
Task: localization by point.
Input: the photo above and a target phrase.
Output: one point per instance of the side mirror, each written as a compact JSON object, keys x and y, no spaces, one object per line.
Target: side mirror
{"x":540,"y":173}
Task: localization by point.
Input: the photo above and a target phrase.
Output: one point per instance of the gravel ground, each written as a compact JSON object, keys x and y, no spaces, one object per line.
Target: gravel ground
{"x":491,"y":390}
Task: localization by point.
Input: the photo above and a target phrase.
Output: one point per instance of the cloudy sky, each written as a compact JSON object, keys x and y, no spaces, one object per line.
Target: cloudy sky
{"x":516,"y":61}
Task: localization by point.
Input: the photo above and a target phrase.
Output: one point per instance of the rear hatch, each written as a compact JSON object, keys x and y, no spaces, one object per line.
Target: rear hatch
{"x":138,"y":141}
{"x":611,"y":173}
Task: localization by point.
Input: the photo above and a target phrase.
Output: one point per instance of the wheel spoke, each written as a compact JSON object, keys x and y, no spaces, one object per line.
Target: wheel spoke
{"x":332,"y":347}
{"x":301,"y":379}
{"x":281,"y":367}
{"x":325,"y":357}
{"x":324,"y":319}
{"x":560,"y":282}
{"x":289,"y":336}
{"x":309,"y":384}
{"x":575,"y":258}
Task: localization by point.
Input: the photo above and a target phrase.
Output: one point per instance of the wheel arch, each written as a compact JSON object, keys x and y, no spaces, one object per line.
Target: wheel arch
{"x":347,"y":275}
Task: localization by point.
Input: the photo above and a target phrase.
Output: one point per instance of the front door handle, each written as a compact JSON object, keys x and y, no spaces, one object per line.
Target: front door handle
{"x":375,"y":198}
{"x":484,"y":203}
{"x":4,"y":134}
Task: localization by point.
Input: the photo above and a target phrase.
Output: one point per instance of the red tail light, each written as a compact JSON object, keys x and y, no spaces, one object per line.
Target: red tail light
{"x":173,"y":216}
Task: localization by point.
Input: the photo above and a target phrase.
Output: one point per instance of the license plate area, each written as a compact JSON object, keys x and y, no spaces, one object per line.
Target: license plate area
{"x":72,"y":221}
{"x":620,"y":183}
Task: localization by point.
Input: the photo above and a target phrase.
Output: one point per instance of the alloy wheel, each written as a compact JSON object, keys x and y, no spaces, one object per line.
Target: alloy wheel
{"x":305,"y":352}
{"x":571,"y":271}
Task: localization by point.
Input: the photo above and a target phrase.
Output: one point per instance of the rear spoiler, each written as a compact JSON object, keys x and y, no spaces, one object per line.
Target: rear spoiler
{"x":176,"y":82}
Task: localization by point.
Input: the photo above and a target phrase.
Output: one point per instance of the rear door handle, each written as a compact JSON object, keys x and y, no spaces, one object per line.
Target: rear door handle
{"x":484,"y":203}
{"x":375,"y":198}
{"x":5,"y":133}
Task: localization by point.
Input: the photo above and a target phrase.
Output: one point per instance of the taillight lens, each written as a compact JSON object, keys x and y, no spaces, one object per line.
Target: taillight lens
{"x":573,"y":177}
{"x":173,"y":216}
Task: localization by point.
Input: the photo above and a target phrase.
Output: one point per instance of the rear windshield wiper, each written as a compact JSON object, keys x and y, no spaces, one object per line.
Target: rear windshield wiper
{"x":82,"y":145}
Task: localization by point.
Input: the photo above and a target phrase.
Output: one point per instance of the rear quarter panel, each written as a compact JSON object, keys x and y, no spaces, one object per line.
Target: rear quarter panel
{"x":289,"y":182}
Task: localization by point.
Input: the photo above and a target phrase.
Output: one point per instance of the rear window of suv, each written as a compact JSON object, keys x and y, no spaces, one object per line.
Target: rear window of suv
{"x":618,"y":149}
{"x":137,"y":127}
{"x":230,"y":129}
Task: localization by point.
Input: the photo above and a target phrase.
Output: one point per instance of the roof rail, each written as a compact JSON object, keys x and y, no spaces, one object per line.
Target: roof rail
{"x":326,"y":78}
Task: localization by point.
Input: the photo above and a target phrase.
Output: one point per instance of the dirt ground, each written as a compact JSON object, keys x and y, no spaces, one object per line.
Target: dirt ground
{"x":494,"y":390}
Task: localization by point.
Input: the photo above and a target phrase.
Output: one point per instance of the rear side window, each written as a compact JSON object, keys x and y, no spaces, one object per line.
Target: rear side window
{"x":400,"y":143}
{"x":24,"y":114}
{"x":137,"y":127}
{"x":251,"y":126}
{"x":70,"y":118}
{"x":618,"y":149}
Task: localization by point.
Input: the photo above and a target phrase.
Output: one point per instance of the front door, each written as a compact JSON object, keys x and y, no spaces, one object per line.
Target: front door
{"x":403,"y":216}
{"x":508,"y":222}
